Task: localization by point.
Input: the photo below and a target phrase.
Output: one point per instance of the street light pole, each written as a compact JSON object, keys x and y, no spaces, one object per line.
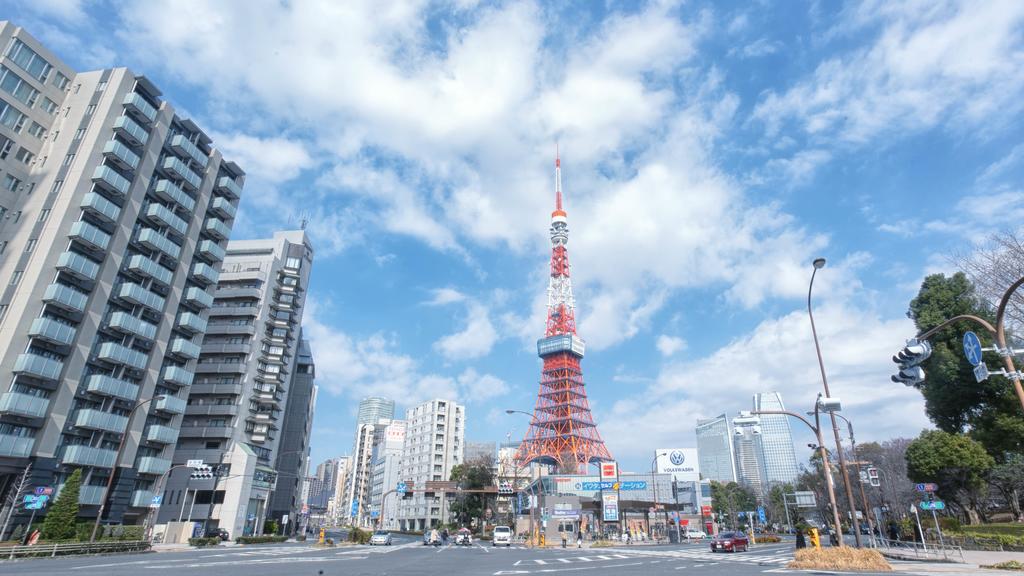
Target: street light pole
{"x":860,"y":481}
{"x":533,"y":495}
{"x":819,"y":263}
{"x":654,"y":486}
{"x":117,"y":459}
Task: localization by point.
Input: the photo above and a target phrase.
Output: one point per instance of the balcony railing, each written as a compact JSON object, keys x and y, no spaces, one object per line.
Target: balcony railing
{"x":78,"y":266}
{"x":89,"y":456}
{"x":15,"y":446}
{"x":199,"y":297}
{"x":90,"y":495}
{"x":161,"y":434}
{"x":229,"y":187}
{"x":192,"y":323}
{"x":120,"y":155}
{"x":188,"y":150}
{"x":131,"y":131}
{"x":164,"y":216}
{"x":142,"y":498}
{"x":38,"y":366}
{"x":52,"y":331}
{"x":177,"y":375}
{"x":65,"y":297}
{"x":204,"y":273}
{"x":23,"y":404}
{"x":136,"y":294}
{"x":136,"y":326}
{"x":100,"y":207}
{"x":90,"y":235}
{"x":106,"y":178}
{"x":170,"y":404}
{"x":211,"y":250}
{"x":148,"y":267}
{"x":118,"y":354}
{"x":217,"y":228}
{"x":109,"y":386}
{"x":154,"y":240}
{"x":222,"y":207}
{"x":170,"y":191}
{"x":152,"y":465}
{"x":184,"y":348}
{"x":136,"y":103}
{"x":93,"y":419}
{"x":178,"y":168}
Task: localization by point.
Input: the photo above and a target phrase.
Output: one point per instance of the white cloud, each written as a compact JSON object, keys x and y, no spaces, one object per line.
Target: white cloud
{"x":669,"y":345}
{"x":273,"y":159}
{"x":444,"y":296}
{"x":475,"y":339}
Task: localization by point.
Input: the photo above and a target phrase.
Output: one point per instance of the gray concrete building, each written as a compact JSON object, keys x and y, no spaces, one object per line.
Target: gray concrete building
{"x":388,"y":442}
{"x":747,"y":445}
{"x":243,"y":384}
{"x":114,"y":212}
{"x":435,"y":434}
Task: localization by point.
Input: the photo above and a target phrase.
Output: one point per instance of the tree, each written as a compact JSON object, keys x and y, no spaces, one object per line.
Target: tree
{"x":776,"y":504}
{"x":473,"y":475}
{"x":1008,"y":479}
{"x":729,"y":499}
{"x":992,"y":268}
{"x":60,"y":519}
{"x":895,"y":488}
{"x":954,"y":401}
{"x":956,"y":463}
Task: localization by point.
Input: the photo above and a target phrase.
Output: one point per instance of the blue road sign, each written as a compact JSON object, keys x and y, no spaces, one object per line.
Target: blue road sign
{"x":155,"y":502}
{"x":374,"y":513}
{"x":355,"y":508}
{"x":401,"y":487}
{"x":972,"y":348}
{"x":760,"y":514}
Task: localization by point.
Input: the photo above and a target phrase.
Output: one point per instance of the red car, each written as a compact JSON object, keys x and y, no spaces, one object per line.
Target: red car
{"x":730,"y":542}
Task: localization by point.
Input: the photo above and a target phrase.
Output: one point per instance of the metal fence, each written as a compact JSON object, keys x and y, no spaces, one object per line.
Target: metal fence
{"x":58,"y":549}
{"x":904,"y":550}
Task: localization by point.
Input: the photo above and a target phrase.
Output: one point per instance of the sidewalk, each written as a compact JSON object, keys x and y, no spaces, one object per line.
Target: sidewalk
{"x":974,"y":560}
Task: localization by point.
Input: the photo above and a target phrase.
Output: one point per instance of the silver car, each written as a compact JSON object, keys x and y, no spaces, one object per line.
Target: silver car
{"x":380,"y":538}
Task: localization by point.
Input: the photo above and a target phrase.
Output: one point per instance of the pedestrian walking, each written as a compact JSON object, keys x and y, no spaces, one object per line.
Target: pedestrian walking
{"x":800,"y":541}
{"x":579,"y":539}
{"x":444,"y":536}
{"x":565,"y":538}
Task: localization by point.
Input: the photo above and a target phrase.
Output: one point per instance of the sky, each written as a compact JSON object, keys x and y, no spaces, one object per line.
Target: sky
{"x":710,"y":151}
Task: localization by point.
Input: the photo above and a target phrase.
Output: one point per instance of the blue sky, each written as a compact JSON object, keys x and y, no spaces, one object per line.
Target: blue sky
{"x":710,"y":151}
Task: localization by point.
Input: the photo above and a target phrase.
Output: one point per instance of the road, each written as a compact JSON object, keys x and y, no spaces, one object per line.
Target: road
{"x":409,"y":557}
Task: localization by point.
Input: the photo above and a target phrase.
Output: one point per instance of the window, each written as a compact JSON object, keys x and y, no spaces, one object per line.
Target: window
{"x":36,"y":129}
{"x":3,"y":311}
{"x":14,"y":85}
{"x":24,"y":156}
{"x":29,"y":60}
{"x":16,"y":277}
{"x":49,"y":106}
{"x":101,"y":86}
{"x":5,"y":147}
{"x":3,"y":246}
{"x":17,"y":216}
{"x":69,"y":159}
{"x":79,"y":133}
{"x":44,"y":214}
{"x":11,"y":183}
{"x":30,"y":245}
{"x":10,"y":117}
{"x":57,"y":185}
{"x":293,"y":263}
{"x":90,"y":109}
{"x":60,"y":81}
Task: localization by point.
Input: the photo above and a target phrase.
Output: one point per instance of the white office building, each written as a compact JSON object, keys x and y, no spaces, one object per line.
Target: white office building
{"x":434,"y":444}
{"x":387,"y":456}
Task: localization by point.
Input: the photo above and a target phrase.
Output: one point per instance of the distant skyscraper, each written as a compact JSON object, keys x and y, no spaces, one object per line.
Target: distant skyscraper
{"x":475,"y":451}
{"x":750,"y":469}
{"x":714,"y":449}
{"x":776,"y":440}
{"x":374,"y":409}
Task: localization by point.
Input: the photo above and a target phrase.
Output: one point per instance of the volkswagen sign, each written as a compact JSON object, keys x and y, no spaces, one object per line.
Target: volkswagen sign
{"x":676,"y":457}
{"x":681,"y":463}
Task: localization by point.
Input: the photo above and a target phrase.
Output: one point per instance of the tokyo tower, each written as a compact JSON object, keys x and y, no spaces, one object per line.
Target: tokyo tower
{"x":562,"y":431}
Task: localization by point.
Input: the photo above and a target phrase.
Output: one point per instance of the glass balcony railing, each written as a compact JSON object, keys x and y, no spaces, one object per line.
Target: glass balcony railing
{"x":16,"y":446}
{"x":178,"y":168}
{"x":89,"y":235}
{"x":89,"y":456}
{"x":148,"y":267}
{"x":38,"y":366}
{"x":217,"y":228}
{"x":152,"y":465}
{"x":136,"y":294}
{"x":52,"y":331}
{"x":65,"y":297}
{"x":136,"y":103}
{"x":222,"y":207}
{"x":142,"y":498}
{"x":109,"y":386}
{"x":120,"y":155}
{"x":131,"y":131}
{"x":204,"y":273}
{"x":177,"y":375}
{"x":106,"y":178}
{"x":171,"y":404}
{"x":169,"y":191}
{"x":229,"y":187}
{"x":78,"y":266}
{"x":185,"y":348}
{"x":93,"y":419}
{"x":212,"y":250}
{"x":23,"y":404}
{"x":191,"y":322}
{"x":136,"y":326}
{"x":90,"y":495}
{"x":198,"y":297}
{"x":152,"y":239}
{"x":164,"y":216}
{"x":161,"y":434}
{"x":185,"y":147}
{"x":100,"y":207}
{"x":117,"y":354}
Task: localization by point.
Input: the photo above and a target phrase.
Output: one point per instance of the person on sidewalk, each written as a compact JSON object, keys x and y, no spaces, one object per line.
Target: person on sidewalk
{"x":800,"y":541}
{"x":579,"y":539}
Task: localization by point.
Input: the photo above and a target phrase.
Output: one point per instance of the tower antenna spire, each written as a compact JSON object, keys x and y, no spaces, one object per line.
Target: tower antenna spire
{"x":559,"y":211}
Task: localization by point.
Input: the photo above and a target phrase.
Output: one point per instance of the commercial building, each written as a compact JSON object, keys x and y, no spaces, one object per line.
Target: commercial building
{"x":776,"y":440}
{"x":374,"y":409}
{"x":114,"y":213}
{"x":387,"y":457}
{"x":243,"y":384}
{"x":434,"y":443}
{"x":750,"y":465}
{"x":715,"y":449}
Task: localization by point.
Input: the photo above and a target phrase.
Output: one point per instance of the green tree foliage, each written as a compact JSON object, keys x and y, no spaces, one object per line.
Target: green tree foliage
{"x":729,"y":499}
{"x":473,"y":475}
{"x":954,"y":401}
{"x":956,"y":463}
{"x":776,"y":507}
{"x":60,"y":518}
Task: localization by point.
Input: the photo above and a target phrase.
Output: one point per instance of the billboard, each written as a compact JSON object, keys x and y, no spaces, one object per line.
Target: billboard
{"x":610,"y":507}
{"x":609,"y":470}
{"x":681,"y":463}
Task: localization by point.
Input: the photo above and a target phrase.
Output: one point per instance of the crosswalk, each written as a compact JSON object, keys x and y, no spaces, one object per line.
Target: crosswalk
{"x":778,"y":556}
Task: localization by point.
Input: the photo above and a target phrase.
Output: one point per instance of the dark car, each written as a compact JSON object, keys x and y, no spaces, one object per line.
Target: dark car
{"x":730,"y":542}
{"x":221,"y":533}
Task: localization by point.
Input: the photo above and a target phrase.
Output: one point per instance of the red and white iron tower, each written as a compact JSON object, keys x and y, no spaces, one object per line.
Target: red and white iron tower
{"x":562,"y":431}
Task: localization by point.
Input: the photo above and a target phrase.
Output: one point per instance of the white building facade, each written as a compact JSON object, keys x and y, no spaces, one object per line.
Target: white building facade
{"x":434,"y":444}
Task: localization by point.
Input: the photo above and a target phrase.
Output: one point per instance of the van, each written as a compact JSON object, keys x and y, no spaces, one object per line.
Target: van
{"x":502,"y":535}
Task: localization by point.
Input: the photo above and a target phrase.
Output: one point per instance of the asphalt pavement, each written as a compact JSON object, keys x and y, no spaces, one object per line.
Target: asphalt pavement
{"x":408,"y":556}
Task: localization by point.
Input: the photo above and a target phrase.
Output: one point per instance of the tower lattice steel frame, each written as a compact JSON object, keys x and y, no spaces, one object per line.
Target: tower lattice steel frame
{"x":562,"y":431}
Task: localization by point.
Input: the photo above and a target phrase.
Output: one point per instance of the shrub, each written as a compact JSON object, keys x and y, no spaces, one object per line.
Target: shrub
{"x":359,"y":536}
{"x":60,"y":518}
{"x":266,"y":539}
{"x":843,"y":559}
{"x":83,"y":530}
{"x":270,"y":527}
{"x":19,"y":533}
{"x":1008,"y":565}
{"x":768,"y":539}
{"x":201,"y":542}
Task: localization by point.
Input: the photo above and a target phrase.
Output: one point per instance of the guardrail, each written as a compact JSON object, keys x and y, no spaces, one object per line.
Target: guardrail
{"x":916,"y":551}
{"x":58,"y":549}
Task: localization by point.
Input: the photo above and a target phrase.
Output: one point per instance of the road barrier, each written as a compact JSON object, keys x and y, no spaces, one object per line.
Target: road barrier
{"x":67,"y":549}
{"x":934,"y":552}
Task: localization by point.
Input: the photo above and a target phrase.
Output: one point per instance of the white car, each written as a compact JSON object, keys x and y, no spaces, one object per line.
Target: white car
{"x":502,"y":535}
{"x":380,"y":538}
{"x":695,"y":535}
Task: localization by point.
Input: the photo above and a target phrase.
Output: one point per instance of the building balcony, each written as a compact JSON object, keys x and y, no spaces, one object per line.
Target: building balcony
{"x":175,"y":167}
{"x":89,"y":495}
{"x":16,"y":446}
{"x":132,"y":292}
{"x":212,"y":410}
{"x":217,"y":228}
{"x":230,"y":329}
{"x":142,"y":498}
{"x":228,"y":186}
{"x":120,"y":155}
{"x":169,"y":191}
{"x":212,"y":432}
{"x":177,"y":375}
{"x":222,"y":207}
{"x":23,"y":404}
{"x":170,"y":404}
{"x":184,"y":348}
{"x":115,"y":353}
{"x":65,"y":297}
{"x":198,"y":297}
{"x":225,"y":348}
{"x":161,"y":434}
{"x":109,"y":386}
{"x":106,"y":178}
{"x":100,"y":207}
{"x":192,"y":323}
{"x":154,"y":240}
{"x":211,"y":251}
{"x":189,"y":151}
{"x":131,"y":131}
{"x":124,"y":322}
{"x":133,"y":102}
{"x":37,"y":366}
{"x":220,"y":368}
{"x":229,"y":292}
{"x":150,"y":268}
{"x":162,"y":215}
{"x":204,"y":273}
{"x":92,"y":419}
{"x":89,"y":235}
{"x":88,"y":456}
{"x":152,"y":465}
{"x":52,"y":331}
{"x":78,"y":266}
{"x":219,"y":311}
{"x":221,"y":389}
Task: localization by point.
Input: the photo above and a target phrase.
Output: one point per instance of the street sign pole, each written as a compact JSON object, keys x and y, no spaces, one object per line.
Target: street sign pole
{"x":937,"y":528}
{"x":917,"y":518}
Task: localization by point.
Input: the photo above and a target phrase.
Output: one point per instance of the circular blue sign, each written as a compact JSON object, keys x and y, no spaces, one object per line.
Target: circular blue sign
{"x":972,"y":348}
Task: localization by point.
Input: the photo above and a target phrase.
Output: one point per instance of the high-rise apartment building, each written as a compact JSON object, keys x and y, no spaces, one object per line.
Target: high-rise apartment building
{"x":434,"y":442}
{"x":243,"y":384}
{"x":114,"y":212}
{"x":715,"y":449}
{"x":388,"y":444}
{"x":750,"y":465}
{"x":341,"y":476}
{"x":374,"y":409}
{"x":776,"y":440}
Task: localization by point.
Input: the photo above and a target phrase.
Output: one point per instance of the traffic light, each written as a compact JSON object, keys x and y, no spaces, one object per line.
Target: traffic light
{"x":204,"y":472}
{"x":505,"y":489}
{"x":873,"y":477}
{"x":909,"y":360}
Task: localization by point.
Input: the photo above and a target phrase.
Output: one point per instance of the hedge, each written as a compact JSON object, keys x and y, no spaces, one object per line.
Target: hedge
{"x":200,"y":542}
{"x":260,"y":539}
